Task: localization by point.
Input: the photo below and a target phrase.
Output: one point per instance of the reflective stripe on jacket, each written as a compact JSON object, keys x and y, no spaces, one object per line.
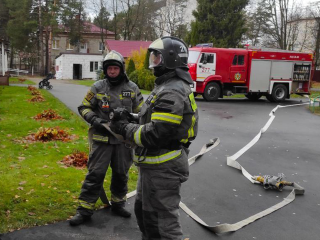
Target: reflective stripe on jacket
{"x":169,"y":120}
{"x":102,"y":93}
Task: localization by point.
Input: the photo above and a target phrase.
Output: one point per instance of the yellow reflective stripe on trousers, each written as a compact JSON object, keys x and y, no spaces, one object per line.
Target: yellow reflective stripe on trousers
{"x":166,"y":117}
{"x":86,"y":204}
{"x":158,"y":159}
{"x":115,"y":199}
{"x":137,"y":136}
{"x":100,"y":138}
{"x":84,"y":112}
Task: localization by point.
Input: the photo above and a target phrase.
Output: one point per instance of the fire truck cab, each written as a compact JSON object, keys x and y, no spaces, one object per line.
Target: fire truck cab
{"x":276,"y":74}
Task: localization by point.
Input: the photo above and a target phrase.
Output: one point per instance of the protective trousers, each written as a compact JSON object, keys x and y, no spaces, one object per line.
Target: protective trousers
{"x":101,"y":155}
{"x":157,"y":201}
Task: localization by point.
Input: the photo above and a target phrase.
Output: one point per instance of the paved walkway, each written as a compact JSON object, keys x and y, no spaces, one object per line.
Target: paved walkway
{"x":214,"y":191}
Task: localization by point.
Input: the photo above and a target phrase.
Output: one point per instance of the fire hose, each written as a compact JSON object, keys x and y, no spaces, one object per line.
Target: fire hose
{"x":231,"y":161}
{"x":273,"y":182}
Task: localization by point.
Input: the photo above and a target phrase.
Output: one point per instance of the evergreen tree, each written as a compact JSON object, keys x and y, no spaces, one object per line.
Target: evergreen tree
{"x":131,"y":67}
{"x":146,"y":61}
{"x":220,"y":22}
{"x":72,"y":16}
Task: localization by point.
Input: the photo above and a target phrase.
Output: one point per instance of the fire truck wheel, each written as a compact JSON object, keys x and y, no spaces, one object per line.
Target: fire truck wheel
{"x":212,"y":92}
{"x":279,"y":93}
{"x":253,"y":96}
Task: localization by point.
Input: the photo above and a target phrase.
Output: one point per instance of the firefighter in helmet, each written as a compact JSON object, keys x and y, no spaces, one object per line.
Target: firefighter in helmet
{"x":115,"y":91}
{"x":168,"y":124}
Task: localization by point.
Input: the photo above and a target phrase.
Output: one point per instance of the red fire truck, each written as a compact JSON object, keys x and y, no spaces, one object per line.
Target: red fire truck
{"x":276,"y":74}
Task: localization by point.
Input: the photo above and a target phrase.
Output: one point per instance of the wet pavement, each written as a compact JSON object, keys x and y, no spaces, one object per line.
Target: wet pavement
{"x":218,"y":193}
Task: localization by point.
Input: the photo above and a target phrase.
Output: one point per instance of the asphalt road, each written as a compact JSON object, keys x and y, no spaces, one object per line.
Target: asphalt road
{"x":220,"y":194}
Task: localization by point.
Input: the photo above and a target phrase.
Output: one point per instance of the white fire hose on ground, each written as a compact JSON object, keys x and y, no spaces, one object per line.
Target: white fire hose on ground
{"x":232,"y":162}
{"x":267,"y":181}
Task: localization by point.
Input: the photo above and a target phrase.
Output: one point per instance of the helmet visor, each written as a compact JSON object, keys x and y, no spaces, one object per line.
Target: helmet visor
{"x":155,"y":59}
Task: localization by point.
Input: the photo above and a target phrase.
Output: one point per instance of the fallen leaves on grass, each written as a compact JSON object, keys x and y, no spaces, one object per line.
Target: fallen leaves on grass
{"x":47,"y":115}
{"x":37,"y":98}
{"x":50,"y":134}
{"x":77,"y":159}
{"x":21,"y":80}
{"x":31,"y":88}
{"x":36,"y":92}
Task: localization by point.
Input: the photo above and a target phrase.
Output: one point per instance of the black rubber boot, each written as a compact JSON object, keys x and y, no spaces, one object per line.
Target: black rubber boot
{"x":121,"y":211}
{"x":78,"y":219}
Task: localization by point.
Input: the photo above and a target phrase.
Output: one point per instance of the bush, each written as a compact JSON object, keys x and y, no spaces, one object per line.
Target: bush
{"x":100,"y":74}
{"x":134,"y":76}
{"x":143,"y":78}
{"x":138,"y":57}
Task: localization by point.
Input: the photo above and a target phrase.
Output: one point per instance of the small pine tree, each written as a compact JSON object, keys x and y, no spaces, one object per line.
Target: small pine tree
{"x":146,"y":60}
{"x":131,"y":67}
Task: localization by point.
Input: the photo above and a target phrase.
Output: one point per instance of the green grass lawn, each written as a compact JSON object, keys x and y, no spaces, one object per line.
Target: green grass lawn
{"x":16,"y":80}
{"x":35,"y":188}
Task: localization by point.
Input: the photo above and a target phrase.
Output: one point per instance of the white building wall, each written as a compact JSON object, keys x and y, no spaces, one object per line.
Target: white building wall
{"x":64,"y":65}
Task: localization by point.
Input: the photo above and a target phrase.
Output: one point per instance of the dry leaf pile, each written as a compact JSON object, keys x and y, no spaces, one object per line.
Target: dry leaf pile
{"x":37,"y":98}
{"x":35,"y":92}
{"x":77,"y":159}
{"x":31,"y":88}
{"x":47,"y":115}
{"x":50,"y":134}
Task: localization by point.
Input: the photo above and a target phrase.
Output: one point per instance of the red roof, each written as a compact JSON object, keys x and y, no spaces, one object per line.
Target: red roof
{"x":88,"y":28}
{"x":126,"y":47}
{"x":91,"y":28}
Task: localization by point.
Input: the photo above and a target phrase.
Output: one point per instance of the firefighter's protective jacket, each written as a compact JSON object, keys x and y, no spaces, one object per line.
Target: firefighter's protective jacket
{"x":168,"y":120}
{"x":126,"y":95}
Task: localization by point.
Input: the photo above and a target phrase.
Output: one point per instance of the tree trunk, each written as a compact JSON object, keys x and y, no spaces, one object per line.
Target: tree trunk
{"x":41,"y":41}
{"x":316,"y":51}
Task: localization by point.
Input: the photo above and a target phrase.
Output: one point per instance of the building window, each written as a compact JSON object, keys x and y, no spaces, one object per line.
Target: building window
{"x":94,"y":66}
{"x":101,"y":47}
{"x":69,"y":46}
{"x":83,"y":46}
{"x":55,"y":44}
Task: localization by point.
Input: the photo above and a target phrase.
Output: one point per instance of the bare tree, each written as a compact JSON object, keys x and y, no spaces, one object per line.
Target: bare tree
{"x":171,"y":17}
{"x":100,"y":9}
{"x":131,"y":10}
{"x":315,"y":14}
{"x":278,"y":33}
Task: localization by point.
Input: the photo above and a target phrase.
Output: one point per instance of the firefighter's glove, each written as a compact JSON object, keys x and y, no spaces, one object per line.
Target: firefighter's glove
{"x":119,"y":127}
{"x":97,"y":124}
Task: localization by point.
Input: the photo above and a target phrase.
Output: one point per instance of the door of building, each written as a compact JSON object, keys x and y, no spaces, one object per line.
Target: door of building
{"x":77,"y":71}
